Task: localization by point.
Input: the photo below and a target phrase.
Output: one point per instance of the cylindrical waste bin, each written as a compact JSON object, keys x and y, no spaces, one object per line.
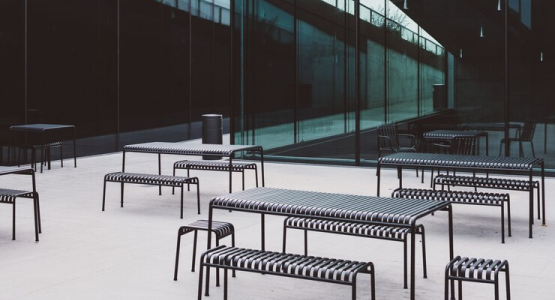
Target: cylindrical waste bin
{"x":212,"y":132}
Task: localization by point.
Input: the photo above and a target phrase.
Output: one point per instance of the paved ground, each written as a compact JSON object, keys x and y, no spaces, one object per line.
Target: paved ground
{"x":128,"y":253}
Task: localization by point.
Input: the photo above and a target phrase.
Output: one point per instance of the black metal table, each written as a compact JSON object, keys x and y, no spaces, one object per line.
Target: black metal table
{"x":26,"y":171}
{"x":447,"y":135}
{"x":43,"y":130}
{"x":471,"y":163}
{"x":340,"y":207}
{"x":195,"y":149}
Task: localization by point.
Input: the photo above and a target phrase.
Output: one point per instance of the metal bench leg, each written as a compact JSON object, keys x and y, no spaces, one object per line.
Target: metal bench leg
{"x":507,"y":281}
{"x":354,"y":289}
{"x":177,"y":250}
{"x":502,"y":223}
{"x":173,"y":187}
{"x":225,"y":284}
{"x":181,"y":216}
{"x":425,"y":267}
{"x":509,"y":215}
{"x":198,"y":197}
{"x":13,"y":220}
{"x":61,"y":156}
{"x":460,"y":289}
{"x":538,"y":202}
{"x":122,"y":194}
{"x":200,"y":274}
{"x":37,"y":207}
{"x":284,"y":237}
{"x":243,"y":177}
{"x":104,"y":195}
{"x":233,"y":245}
{"x":496,"y":285}
{"x":405,"y":286}
{"x":305,"y":242}
{"x":256,"y":175}
{"x":188,"y":185}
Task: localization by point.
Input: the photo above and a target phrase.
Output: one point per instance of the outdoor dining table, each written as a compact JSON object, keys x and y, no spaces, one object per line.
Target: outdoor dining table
{"x":36,"y":208}
{"x":448,"y":135}
{"x":195,"y":149}
{"x":331,"y":206}
{"x":43,"y":130}
{"x":472,"y":163}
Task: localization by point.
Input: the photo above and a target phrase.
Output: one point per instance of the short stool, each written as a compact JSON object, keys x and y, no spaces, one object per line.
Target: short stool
{"x":220,"y":229}
{"x":475,"y":270}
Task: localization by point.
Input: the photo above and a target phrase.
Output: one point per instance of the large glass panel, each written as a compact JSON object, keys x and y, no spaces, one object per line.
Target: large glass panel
{"x":270,"y":72}
{"x":322,"y":74}
{"x":12,"y":70}
{"x":402,"y":68}
{"x":432,"y":60}
{"x":71,"y":65}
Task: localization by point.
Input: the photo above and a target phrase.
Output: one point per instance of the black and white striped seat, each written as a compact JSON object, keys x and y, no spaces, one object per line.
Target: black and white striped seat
{"x":217,"y":166}
{"x":392,"y":233}
{"x":463,"y":197}
{"x":290,"y":265}
{"x":220,"y":229}
{"x":476,"y":270}
{"x":9,"y":196}
{"x":151,"y":179}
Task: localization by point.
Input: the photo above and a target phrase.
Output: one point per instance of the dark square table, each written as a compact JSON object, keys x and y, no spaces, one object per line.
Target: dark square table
{"x":43,"y":130}
{"x":340,"y":207}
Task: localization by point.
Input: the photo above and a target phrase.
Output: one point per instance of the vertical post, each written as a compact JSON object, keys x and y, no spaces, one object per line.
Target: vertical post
{"x":357,"y":82}
{"x":506,"y":77}
{"x":118,"y":75}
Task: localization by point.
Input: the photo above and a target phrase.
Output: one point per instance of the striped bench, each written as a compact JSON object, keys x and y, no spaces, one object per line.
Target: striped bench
{"x":476,"y":270}
{"x":8,"y":196}
{"x":463,"y":197}
{"x":489,"y":183}
{"x":391,"y":233}
{"x":216,"y":166}
{"x":337,"y":271}
{"x":150,"y":179}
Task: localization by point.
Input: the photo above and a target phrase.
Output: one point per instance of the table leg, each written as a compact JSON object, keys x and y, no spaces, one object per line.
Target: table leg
{"x":262,"y":165}
{"x":543,"y":194}
{"x":378,"y":170}
{"x":74,"y":148}
{"x":208,"y":246}
{"x":42,"y":152}
{"x":262,"y":232}
{"x":230,"y":172}
{"x":160,"y":172}
{"x":400,"y":175}
{"x":412,"y":258}
{"x":531,"y":205}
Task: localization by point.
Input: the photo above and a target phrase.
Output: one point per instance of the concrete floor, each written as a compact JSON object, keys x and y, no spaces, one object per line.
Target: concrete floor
{"x":128,"y":253}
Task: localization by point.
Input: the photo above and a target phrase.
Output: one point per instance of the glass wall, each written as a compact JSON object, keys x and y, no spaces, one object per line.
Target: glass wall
{"x":309,"y":104}
{"x":121,"y":71}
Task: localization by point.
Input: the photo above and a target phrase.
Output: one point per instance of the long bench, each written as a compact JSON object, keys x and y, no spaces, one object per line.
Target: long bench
{"x":385,"y":232}
{"x":463,"y":197}
{"x":489,"y":183}
{"x":331,"y":270}
{"x":150,"y":179}
{"x":217,"y":166}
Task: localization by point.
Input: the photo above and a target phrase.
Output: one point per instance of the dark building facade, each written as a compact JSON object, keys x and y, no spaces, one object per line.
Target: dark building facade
{"x":307,"y":79}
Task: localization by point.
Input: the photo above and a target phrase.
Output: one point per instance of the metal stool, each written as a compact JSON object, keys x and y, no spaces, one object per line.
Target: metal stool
{"x":475,"y":270}
{"x":220,"y":229}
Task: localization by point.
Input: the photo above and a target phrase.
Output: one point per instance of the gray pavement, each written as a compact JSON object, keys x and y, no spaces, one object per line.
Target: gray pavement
{"x":128,"y":253}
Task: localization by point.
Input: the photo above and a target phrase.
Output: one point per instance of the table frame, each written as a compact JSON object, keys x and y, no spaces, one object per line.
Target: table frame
{"x":469,"y":163}
{"x":194,"y":149}
{"x":42,"y":129}
{"x":301,"y":209}
{"x":36,"y":208}
{"x":448,"y":135}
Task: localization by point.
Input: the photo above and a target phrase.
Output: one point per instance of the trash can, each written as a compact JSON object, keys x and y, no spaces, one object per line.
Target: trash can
{"x":439,"y":97}
{"x":212,"y":132}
